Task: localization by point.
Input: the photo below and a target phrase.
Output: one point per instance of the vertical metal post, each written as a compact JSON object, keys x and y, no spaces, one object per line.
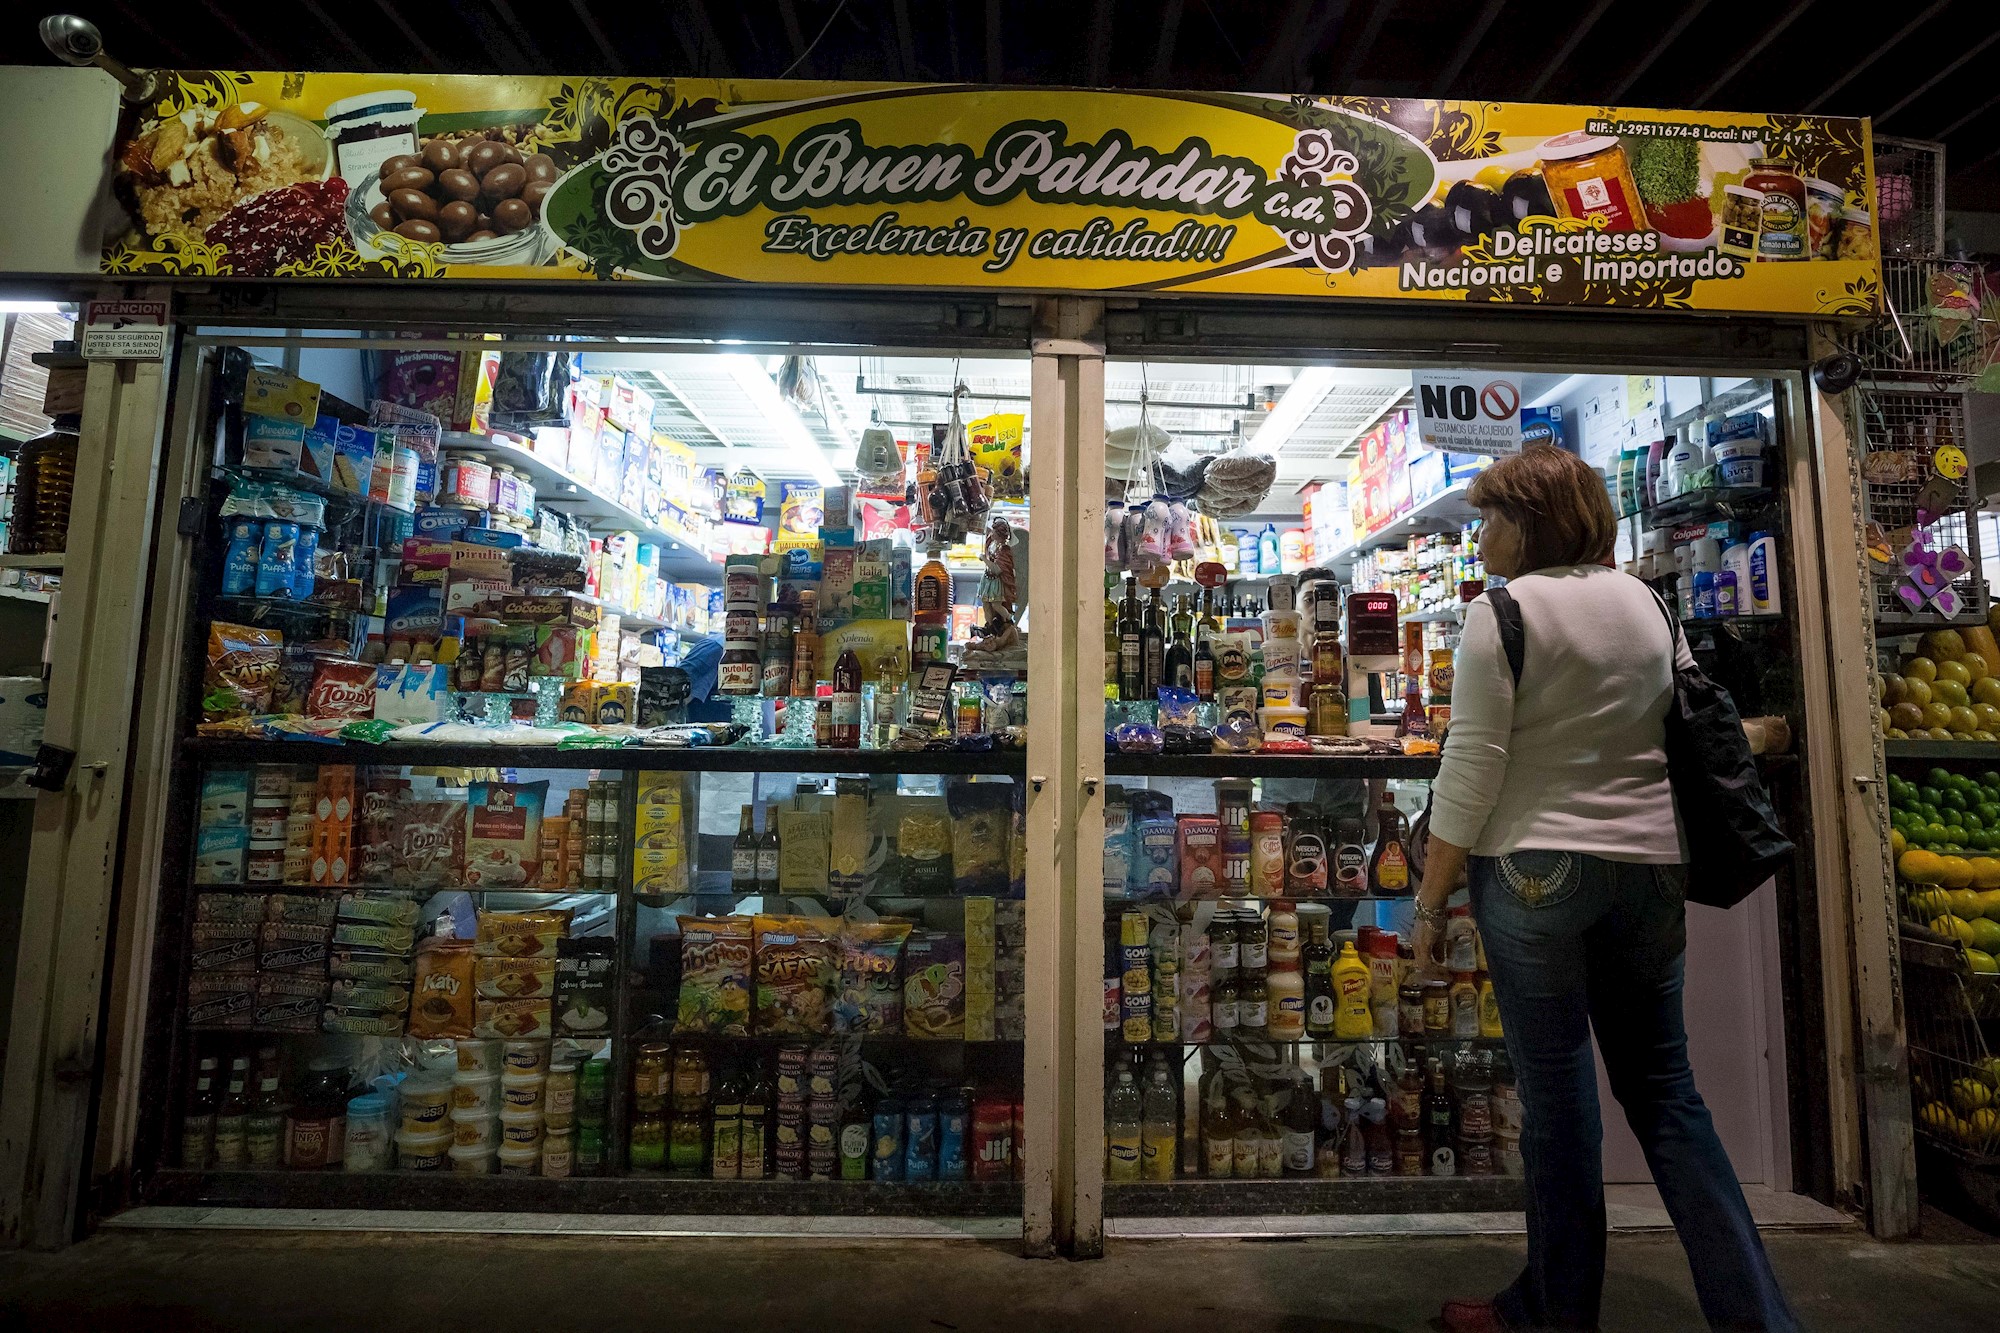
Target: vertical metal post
{"x":1064,"y":1197}
{"x":1874,"y":1152}
{"x":52,"y":1050}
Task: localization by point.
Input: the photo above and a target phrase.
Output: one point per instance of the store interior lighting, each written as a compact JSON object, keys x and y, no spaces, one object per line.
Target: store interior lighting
{"x":757,"y":385}
{"x":1304,"y":394}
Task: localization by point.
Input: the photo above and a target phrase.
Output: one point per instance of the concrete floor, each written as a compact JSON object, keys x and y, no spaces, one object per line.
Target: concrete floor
{"x":207,"y":1280}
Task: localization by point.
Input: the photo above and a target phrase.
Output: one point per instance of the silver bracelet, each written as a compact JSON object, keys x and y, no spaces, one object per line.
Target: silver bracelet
{"x":1430,"y":916}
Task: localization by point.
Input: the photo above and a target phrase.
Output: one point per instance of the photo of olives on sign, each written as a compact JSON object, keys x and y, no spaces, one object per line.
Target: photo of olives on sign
{"x":475,"y":192}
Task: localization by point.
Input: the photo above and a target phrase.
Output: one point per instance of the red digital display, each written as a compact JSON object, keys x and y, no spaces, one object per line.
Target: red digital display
{"x":1371,"y":625}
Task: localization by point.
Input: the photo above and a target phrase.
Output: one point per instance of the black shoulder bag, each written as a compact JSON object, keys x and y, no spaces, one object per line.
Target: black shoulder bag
{"x":1734,"y":843}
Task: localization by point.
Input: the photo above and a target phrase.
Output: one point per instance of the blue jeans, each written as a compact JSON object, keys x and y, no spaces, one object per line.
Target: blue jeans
{"x":1575,"y":942}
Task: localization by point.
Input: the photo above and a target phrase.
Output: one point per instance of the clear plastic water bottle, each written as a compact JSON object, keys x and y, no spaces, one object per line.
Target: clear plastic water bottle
{"x":1123,"y":1116}
{"x":1159,"y":1132}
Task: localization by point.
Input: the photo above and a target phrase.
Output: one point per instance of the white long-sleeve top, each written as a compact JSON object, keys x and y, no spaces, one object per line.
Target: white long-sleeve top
{"x":1575,"y":758}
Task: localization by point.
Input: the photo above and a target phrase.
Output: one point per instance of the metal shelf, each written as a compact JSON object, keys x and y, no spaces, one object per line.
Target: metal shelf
{"x":1445,"y":511}
{"x":680,"y":561}
{"x":1270,"y":766}
{"x":33,"y":561}
{"x":217,"y":750}
{"x":1201,"y":1197}
{"x":25,"y":595}
{"x":1983,"y":751}
{"x":651,"y":1193}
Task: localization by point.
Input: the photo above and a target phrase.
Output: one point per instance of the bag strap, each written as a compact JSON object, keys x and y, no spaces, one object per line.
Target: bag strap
{"x":1513,"y":632}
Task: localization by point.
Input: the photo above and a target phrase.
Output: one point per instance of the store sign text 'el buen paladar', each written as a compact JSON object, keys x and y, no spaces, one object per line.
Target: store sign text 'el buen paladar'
{"x":372,"y":176}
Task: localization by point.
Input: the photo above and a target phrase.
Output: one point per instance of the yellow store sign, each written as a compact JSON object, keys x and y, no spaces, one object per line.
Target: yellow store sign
{"x":372,"y":176}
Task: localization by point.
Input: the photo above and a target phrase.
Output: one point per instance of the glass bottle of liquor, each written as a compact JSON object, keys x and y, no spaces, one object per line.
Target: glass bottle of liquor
{"x":1180,"y":647}
{"x":1153,"y":640}
{"x":1111,"y":690}
{"x":768,"y":848}
{"x":1204,"y":654}
{"x":1437,"y":1124}
{"x":198,"y":1124}
{"x":847,"y":702}
{"x":743,"y":854}
{"x":930,"y":610}
{"x":1131,"y":645}
{"x":1318,"y":959}
{"x":232,"y":1114}
{"x":805,"y":655}
{"x":264,"y":1128}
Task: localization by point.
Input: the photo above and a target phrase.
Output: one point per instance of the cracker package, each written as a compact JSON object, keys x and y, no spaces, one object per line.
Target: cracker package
{"x":981,"y":816}
{"x":871,"y":984}
{"x":426,"y":843}
{"x":797,"y":975}
{"x":503,"y":833}
{"x":441,"y":998}
{"x":716,"y":956}
{"x":934,"y":986}
{"x":532,"y":934}
{"x":515,"y":978}
{"x":512,"y":1019}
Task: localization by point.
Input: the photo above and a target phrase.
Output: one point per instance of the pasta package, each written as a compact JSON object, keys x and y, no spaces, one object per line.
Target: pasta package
{"x":871,"y":986}
{"x":981,"y":823}
{"x":531,"y":934}
{"x":995,"y":443}
{"x":923,"y":841}
{"x":503,"y":833}
{"x":934,"y":986}
{"x":716,"y":956}
{"x":441,"y":998}
{"x":797,"y":975}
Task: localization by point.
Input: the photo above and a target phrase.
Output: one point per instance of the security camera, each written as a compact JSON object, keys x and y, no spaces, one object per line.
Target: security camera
{"x":72,"y":39}
{"x":76,"y":41}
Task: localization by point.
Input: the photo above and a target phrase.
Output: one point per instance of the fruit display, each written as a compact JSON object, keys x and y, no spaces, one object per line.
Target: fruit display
{"x":1947,"y":690}
{"x":1965,"y":1111}
{"x":1944,"y":834}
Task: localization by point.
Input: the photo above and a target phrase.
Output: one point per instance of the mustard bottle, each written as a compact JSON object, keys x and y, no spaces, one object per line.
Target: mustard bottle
{"x":1489,"y":1010}
{"x":1352,"y":1019}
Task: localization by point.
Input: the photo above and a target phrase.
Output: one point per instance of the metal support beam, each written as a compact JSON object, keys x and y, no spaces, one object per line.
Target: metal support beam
{"x":1690,"y":11}
{"x":1097,"y":47}
{"x":1364,"y":42}
{"x":605,"y":50}
{"x":1965,"y":57}
{"x":995,"y":66}
{"x":1467,"y":45}
{"x":1065,"y":814}
{"x":1876,"y":52}
{"x":1750,"y":53}
{"x":906,"y":42}
{"x":1560,"y":60}
{"x":1163,"y":46}
{"x":1278,"y":70}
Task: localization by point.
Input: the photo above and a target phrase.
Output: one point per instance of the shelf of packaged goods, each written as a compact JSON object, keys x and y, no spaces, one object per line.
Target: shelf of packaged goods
{"x":1271,"y":766}
{"x":1740,"y":399}
{"x":641,"y":1193}
{"x":1437,"y":615}
{"x":1985,"y":752}
{"x":874,"y":897}
{"x":680,"y":560}
{"x":1249,"y":900}
{"x":222,"y":750}
{"x":795,"y":1039}
{"x":1198,"y":1196}
{"x":1446,"y":511}
{"x":1733,"y":622}
{"x":1112,"y":1043}
{"x":33,"y":561}
{"x":1707,"y":502}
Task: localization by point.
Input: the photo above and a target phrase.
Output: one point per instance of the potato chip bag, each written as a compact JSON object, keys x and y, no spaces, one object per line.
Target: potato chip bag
{"x":441,"y":998}
{"x":995,"y":443}
{"x":716,"y":955}
{"x":797,"y":975}
{"x":871,"y":985}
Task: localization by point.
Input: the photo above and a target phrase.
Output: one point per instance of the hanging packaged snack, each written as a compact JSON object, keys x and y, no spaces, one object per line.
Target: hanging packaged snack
{"x":871,"y":985}
{"x":996,"y":447}
{"x":243,"y":663}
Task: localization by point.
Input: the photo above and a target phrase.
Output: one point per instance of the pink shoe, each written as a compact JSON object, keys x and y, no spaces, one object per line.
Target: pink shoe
{"x":1472,"y":1317}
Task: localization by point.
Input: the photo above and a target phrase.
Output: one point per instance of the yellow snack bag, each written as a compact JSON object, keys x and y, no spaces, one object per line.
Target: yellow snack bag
{"x":995,"y":442}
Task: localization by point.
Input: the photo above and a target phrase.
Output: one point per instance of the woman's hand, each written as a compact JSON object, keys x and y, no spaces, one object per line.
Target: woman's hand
{"x":1444,"y":872}
{"x":1429,"y":947}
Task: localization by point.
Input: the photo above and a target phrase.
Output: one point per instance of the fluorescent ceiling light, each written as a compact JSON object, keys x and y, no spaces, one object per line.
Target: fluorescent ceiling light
{"x":1306,"y":392}
{"x":30,"y":308}
{"x":1563,"y":389}
{"x":757,"y":386}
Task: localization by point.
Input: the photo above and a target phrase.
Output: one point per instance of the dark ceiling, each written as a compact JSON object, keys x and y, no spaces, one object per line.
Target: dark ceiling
{"x":1924,"y":69}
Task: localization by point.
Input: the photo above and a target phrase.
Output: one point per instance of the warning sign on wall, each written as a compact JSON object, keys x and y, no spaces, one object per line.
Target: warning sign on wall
{"x":1468,"y":411}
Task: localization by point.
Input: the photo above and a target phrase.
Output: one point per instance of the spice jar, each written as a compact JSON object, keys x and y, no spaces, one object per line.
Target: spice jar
{"x":1589,"y":176}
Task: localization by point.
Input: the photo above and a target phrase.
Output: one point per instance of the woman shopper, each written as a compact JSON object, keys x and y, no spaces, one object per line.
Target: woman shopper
{"x":1553,"y":793}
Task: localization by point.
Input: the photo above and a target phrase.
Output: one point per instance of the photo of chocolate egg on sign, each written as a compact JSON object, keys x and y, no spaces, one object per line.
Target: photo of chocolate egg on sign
{"x":477,"y":192}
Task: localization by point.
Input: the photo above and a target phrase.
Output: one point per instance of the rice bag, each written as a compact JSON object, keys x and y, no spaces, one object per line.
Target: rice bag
{"x":980,"y":815}
{"x":797,"y":975}
{"x":716,"y":956}
{"x":871,"y":986}
{"x":934,"y":986}
{"x":503,"y":833}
